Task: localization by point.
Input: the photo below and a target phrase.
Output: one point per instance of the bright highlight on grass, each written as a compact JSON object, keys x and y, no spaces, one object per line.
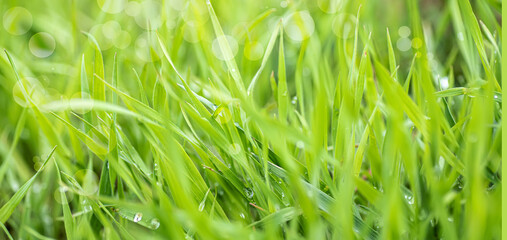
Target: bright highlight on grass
{"x":255,"y":119}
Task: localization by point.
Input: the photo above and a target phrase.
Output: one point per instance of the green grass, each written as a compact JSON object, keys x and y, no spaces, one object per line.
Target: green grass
{"x":222,"y":119}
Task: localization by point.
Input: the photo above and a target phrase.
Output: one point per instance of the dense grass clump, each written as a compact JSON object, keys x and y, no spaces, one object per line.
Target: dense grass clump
{"x":259,"y":119}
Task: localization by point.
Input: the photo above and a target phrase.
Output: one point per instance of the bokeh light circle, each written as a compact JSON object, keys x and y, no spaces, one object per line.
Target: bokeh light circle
{"x":299,"y":26}
{"x":149,"y":17}
{"x":17,"y":21}
{"x":112,"y":6}
{"x":42,"y":44}
{"x":82,"y":110}
{"x":123,"y":40}
{"x":88,"y":181}
{"x":111,"y":29}
{"x":217,"y":51}
{"x":32,"y":87}
{"x":403,"y":44}
{"x":98,"y":33}
{"x":191,"y":33}
{"x":404,"y":31}
{"x":330,"y":6}
{"x":253,"y":50}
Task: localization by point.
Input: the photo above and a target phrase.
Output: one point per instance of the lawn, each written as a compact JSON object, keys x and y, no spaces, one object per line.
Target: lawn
{"x":250,"y":119}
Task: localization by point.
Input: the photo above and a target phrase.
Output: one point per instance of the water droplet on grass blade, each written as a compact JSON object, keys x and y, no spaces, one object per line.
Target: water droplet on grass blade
{"x":461,"y":37}
{"x":155,"y":223}
{"x":138,"y":217}
{"x":409,"y":199}
{"x":249,"y":192}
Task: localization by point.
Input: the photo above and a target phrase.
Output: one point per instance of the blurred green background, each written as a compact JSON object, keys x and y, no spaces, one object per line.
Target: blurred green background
{"x":49,"y":43}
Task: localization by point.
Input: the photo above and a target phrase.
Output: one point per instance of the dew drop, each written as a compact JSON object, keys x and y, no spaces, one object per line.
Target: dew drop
{"x":294,"y":100}
{"x":242,"y":215}
{"x":409,"y":199}
{"x":461,"y":37}
{"x":201,"y":206}
{"x":87,"y":208}
{"x":138,"y":217}
{"x":249,"y":192}
{"x":155,"y":223}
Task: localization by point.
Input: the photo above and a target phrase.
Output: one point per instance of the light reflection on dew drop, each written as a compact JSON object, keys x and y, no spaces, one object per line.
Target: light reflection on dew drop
{"x":17,"y":21}
{"x":410,"y":199}
{"x":138,"y":217}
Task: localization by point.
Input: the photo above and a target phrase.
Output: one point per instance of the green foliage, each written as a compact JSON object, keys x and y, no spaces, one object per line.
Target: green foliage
{"x":174,"y":119}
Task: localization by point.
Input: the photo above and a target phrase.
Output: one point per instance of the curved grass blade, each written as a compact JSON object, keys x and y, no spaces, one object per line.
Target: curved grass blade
{"x":9,"y":207}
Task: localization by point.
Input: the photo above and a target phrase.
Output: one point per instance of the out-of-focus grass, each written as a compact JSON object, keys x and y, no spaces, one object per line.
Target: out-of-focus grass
{"x":250,"y":119}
